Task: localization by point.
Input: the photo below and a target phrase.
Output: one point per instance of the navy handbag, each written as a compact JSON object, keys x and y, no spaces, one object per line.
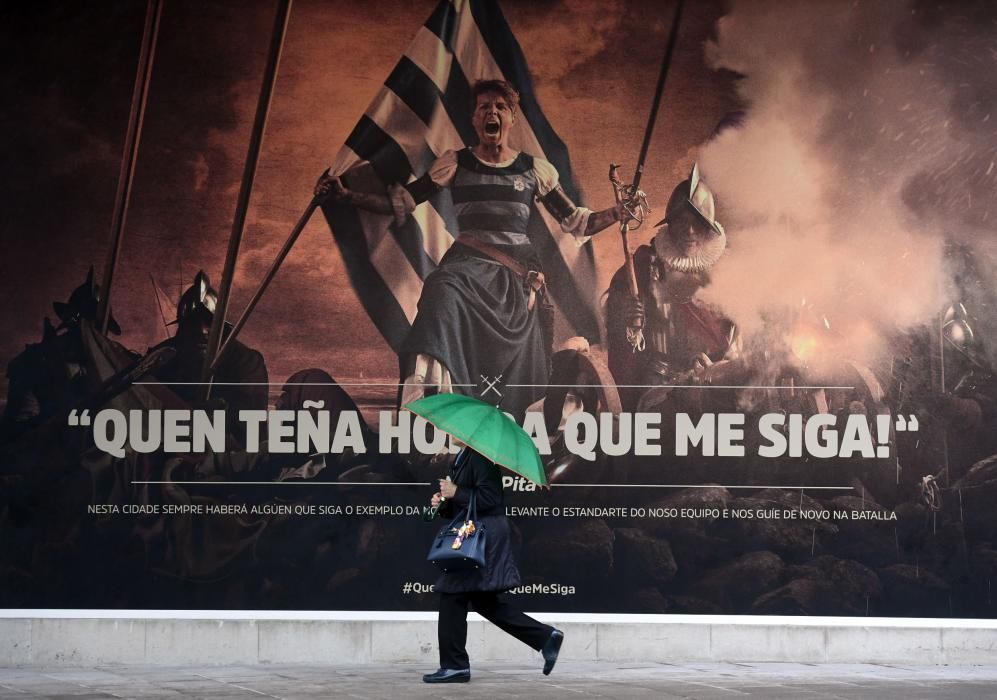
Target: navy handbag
{"x":460,"y":545}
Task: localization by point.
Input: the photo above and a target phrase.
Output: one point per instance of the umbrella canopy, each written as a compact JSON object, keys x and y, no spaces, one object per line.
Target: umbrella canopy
{"x":485,"y":429}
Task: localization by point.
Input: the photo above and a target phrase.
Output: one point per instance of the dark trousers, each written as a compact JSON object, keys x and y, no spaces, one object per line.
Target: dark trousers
{"x":495,"y":608}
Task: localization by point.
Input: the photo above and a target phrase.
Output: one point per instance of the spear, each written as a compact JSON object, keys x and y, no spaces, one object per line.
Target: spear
{"x":246,"y":189}
{"x":129,"y":156}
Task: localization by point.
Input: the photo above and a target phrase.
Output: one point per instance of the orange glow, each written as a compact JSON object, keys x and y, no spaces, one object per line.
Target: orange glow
{"x":803,"y":346}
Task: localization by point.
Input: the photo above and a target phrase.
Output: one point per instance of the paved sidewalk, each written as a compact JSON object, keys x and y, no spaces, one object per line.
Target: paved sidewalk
{"x":577,"y":680}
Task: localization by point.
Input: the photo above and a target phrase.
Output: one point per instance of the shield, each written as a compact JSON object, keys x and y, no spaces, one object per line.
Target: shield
{"x":485,"y":429}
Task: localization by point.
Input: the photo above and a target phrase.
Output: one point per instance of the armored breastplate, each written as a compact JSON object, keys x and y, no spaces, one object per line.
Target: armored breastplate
{"x":660,"y":323}
{"x":666,"y":330}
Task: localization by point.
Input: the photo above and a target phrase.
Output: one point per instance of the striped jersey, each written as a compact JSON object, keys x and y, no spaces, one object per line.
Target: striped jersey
{"x":492,"y":201}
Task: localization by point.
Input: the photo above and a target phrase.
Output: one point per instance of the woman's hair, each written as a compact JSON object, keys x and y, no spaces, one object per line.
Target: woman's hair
{"x":503,"y":88}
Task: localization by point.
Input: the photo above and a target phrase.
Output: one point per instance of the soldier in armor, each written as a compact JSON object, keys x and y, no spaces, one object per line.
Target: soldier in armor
{"x":240,"y":381}
{"x":684,"y":338}
{"x":483,"y":311}
{"x":943,"y":374}
{"x":50,"y":376}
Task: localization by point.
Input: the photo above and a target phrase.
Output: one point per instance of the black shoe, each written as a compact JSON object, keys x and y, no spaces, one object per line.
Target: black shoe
{"x":450,"y":675}
{"x":551,"y":649}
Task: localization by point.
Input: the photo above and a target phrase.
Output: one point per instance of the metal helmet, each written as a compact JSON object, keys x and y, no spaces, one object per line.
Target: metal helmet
{"x":83,"y":304}
{"x":957,"y":332}
{"x":200,"y":296}
{"x":694,"y":193}
{"x":956,"y":328}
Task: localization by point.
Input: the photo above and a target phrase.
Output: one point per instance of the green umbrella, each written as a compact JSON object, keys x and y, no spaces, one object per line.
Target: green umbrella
{"x":485,"y":429}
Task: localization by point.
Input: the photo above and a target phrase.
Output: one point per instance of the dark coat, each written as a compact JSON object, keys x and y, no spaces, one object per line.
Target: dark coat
{"x":477,"y":474}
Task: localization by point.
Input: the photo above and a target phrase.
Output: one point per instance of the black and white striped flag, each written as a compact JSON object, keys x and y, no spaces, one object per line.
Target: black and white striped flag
{"x":422,"y":111}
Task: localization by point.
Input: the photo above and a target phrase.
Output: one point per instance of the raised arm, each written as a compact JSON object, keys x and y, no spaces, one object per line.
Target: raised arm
{"x":580,"y":222}
{"x":600,"y":220}
{"x":400,"y":200}
{"x":330,"y":185}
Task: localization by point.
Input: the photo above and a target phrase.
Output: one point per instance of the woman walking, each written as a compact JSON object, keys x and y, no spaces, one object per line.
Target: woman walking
{"x":482,"y":589}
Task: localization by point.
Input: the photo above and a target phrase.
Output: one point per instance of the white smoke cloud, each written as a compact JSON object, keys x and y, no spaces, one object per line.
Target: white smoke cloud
{"x":857,"y":163}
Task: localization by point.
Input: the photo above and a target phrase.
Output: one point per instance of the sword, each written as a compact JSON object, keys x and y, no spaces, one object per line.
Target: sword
{"x":635,"y":201}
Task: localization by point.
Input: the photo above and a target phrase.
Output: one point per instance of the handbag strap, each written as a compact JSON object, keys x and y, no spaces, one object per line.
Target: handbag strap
{"x":472,"y":506}
{"x":469,"y":513}
{"x":460,"y":463}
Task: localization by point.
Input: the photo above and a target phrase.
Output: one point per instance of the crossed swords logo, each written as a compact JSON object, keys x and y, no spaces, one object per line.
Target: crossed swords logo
{"x":490,"y":383}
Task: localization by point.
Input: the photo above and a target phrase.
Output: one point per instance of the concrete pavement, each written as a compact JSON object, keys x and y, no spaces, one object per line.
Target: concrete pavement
{"x":571,"y":679}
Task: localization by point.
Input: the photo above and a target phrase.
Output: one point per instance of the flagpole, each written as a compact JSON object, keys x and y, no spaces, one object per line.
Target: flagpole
{"x":271,"y":273}
{"x":246,"y":189}
{"x":126,"y":175}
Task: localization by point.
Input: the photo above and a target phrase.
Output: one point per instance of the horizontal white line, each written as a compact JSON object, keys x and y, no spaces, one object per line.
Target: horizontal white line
{"x":674,"y":386}
{"x":395,"y":384}
{"x":709,"y":486}
{"x":427,"y":483}
{"x":289,"y":483}
{"x":430,"y":617}
{"x":519,"y":386}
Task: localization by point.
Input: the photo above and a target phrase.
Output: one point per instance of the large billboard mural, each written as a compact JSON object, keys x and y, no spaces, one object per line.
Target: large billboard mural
{"x":775,"y":395}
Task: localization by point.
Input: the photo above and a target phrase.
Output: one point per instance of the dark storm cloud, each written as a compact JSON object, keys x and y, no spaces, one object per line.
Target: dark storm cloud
{"x":70,"y":69}
{"x":594,"y":63}
{"x":209,"y":54}
{"x":630,"y":50}
{"x":66,"y":104}
{"x":60,"y":121}
{"x":914,"y":88}
{"x":957,"y":42}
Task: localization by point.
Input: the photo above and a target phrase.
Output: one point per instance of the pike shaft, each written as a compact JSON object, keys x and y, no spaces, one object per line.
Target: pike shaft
{"x":271,"y":273}
{"x":246,"y":189}
{"x":658,"y":92}
{"x":129,"y":156}
{"x":628,"y":261}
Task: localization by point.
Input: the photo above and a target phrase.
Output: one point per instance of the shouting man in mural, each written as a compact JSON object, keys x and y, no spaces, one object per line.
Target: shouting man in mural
{"x":483,"y":311}
{"x":686,"y":341}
